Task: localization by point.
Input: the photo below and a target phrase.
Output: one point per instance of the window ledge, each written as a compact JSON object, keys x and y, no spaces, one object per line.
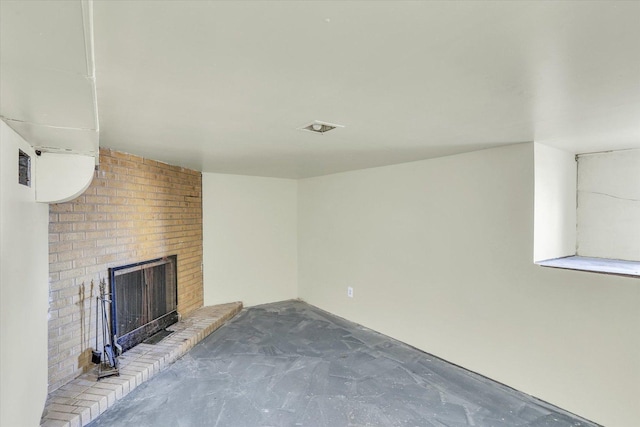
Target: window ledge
{"x":595,"y":265}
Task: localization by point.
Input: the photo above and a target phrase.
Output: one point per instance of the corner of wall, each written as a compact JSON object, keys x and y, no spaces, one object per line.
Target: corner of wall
{"x":555,"y":203}
{"x":250,"y":239}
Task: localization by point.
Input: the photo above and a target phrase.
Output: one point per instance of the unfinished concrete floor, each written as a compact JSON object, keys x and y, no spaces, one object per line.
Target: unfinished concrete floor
{"x":291,"y":364}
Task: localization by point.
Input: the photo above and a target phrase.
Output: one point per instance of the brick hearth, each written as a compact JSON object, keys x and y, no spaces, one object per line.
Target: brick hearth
{"x":81,"y":400}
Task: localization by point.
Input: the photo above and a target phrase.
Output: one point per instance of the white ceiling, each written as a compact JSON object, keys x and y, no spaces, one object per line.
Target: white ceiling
{"x":47,"y":87}
{"x":223,"y":86}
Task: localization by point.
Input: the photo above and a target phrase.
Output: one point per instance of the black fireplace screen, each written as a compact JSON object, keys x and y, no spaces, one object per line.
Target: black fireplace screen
{"x":145,"y":299}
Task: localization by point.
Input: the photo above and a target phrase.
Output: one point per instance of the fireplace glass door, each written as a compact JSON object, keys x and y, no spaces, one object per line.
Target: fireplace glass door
{"x":144,"y":299}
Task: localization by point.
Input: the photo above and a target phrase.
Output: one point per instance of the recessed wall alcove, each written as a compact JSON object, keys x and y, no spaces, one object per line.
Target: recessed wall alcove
{"x":587,"y":211}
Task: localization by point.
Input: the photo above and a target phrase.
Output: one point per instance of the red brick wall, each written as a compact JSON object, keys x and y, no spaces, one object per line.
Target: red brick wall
{"x":135,"y":210}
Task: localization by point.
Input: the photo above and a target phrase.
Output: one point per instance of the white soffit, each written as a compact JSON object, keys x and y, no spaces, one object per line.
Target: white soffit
{"x":47,"y":78}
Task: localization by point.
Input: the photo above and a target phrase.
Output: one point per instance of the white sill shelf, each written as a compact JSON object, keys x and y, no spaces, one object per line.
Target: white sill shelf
{"x":595,"y":265}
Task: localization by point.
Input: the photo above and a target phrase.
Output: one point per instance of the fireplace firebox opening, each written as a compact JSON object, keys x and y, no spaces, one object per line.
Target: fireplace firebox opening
{"x":145,"y":299}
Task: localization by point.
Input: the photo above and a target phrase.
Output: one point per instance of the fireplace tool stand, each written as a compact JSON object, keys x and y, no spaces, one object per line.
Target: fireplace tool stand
{"x":109,"y":365}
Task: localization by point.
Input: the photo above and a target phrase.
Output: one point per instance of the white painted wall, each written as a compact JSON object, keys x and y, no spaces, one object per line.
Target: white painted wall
{"x":24,"y":267}
{"x":609,"y":205}
{"x":555,"y":203}
{"x":250,"y":244}
{"x":439,"y":253}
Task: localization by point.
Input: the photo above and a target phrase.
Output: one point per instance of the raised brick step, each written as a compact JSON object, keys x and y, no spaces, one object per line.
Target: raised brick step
{"x":80,"y":401}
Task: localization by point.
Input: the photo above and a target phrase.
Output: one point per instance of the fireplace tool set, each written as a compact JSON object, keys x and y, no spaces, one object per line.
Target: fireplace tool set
{"x":107,"y":360}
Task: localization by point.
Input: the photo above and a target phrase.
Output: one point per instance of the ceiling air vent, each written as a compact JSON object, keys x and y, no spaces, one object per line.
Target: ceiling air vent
{"x":319,"y":127}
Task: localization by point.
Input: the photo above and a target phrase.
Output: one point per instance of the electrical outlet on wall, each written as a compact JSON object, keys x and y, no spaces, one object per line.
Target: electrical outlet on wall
{"x":349,"y":291}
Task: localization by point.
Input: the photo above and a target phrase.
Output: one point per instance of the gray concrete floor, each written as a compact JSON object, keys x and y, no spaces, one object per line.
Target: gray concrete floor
{"x":291,"y":364}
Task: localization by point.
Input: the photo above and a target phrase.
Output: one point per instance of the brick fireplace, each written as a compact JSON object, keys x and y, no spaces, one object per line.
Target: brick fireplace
{"x":136,"y":209}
